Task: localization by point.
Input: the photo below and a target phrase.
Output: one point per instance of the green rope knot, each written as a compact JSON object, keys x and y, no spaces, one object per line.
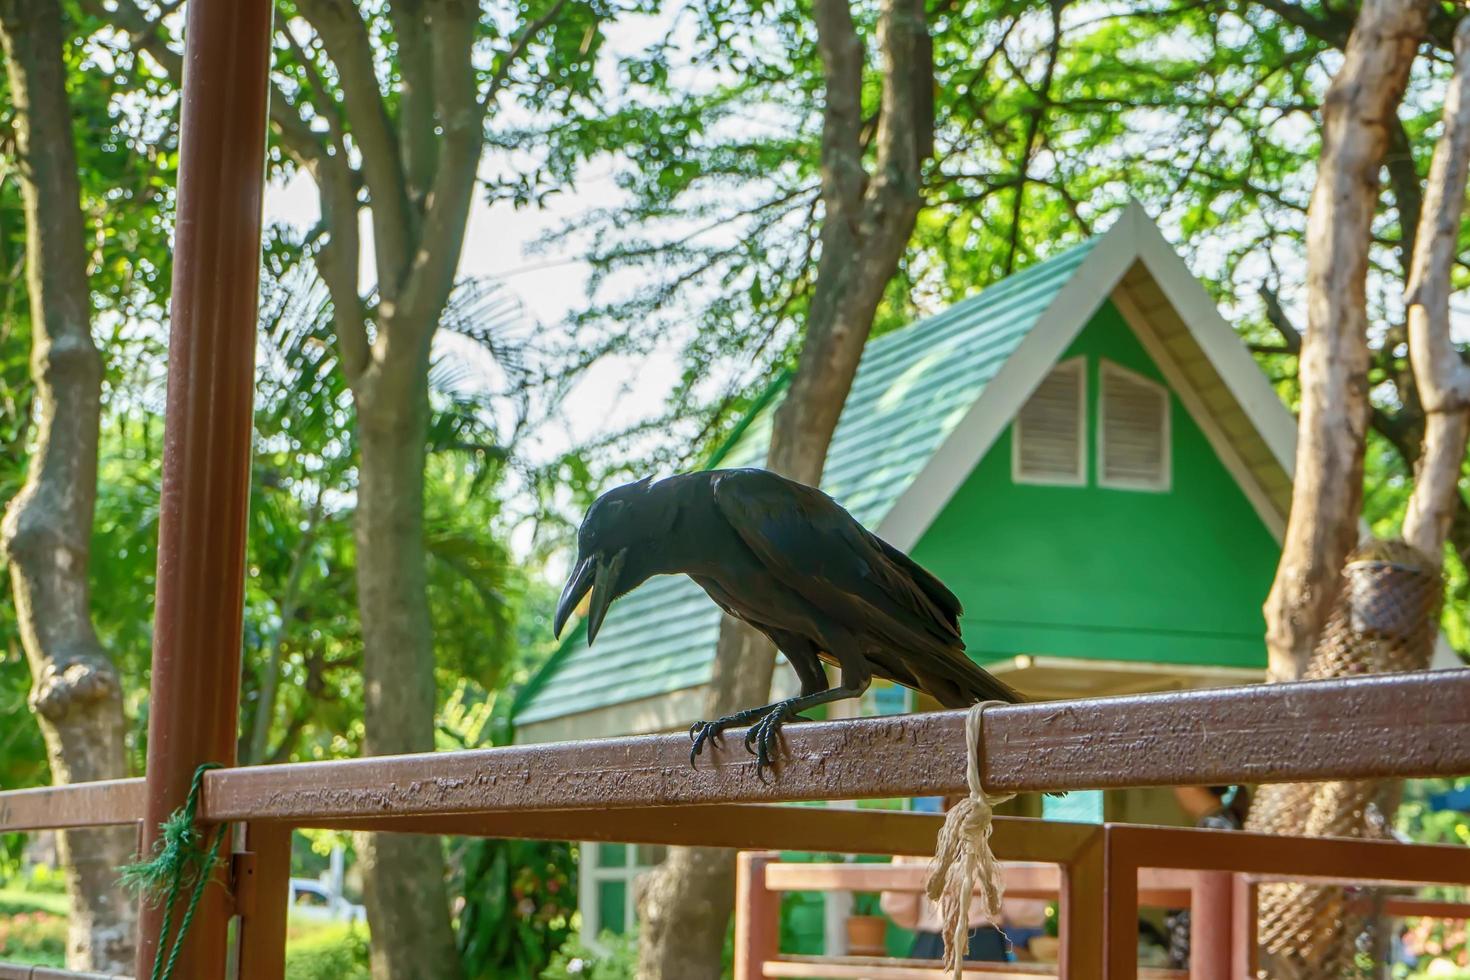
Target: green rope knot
{"x":184,"y":856}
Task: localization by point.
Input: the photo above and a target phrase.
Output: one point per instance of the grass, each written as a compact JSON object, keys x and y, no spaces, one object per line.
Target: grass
{"x":14,"y":900}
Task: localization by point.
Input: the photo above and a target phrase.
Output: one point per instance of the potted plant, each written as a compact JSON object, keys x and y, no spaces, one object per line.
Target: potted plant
{"x":1046,"y":947}
{"x":867,"y":935}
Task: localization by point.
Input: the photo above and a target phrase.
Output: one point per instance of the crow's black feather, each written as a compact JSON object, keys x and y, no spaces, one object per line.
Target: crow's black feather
{"x":790,"y":561}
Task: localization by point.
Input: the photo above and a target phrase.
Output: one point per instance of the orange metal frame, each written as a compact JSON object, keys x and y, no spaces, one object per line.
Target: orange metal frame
{"x":1213,"y":873}
{"x":630,"y":789}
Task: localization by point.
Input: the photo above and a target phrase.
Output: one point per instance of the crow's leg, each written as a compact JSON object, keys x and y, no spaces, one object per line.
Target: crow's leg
{"x":761,"y":738}
{"x":702,"y":731}
{"x":801,"y":654}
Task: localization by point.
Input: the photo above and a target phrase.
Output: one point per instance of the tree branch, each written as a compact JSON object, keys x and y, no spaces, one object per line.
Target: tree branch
{"x":501,"y":74}
{"x":1332,"y":30}
{"x":1290,"y":335}
{"x":345,"y":37}
{"x":863,"y":239}
{"x":841,"y":52}
{"x":430,"y":276}
{"x":1033,"y":124}
{"x":1442,"y":378}
{"x":1408,"y":196}
{"x":415,"y":99}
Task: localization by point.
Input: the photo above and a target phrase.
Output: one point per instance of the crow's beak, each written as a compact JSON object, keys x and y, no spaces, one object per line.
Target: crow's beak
{"x":593,"y":573}
{"x":602,"y":593}
{"x":571,"y":596}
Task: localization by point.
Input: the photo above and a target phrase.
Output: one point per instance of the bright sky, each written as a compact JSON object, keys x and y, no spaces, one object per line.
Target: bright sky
{"x":617,"y":391}
{"x":549,"y":285}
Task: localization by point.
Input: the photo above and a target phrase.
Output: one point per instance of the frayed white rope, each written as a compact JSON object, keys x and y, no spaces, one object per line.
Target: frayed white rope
{"x":962,"y":855}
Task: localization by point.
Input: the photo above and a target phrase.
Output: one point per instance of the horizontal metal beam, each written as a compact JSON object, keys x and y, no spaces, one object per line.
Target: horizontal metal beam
{"x":1325,"y":860}
{"x":1385,"y":726}
{"x":1157,"y":887}
{"x":20,"y":971}
{"x":745,"y":826}
{"x":1399,"y":725}
{"x":100,"y":804}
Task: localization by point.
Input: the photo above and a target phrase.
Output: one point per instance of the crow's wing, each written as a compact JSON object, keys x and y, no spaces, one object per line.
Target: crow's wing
{"x":815,"y":548}
{"x":938,"y":593}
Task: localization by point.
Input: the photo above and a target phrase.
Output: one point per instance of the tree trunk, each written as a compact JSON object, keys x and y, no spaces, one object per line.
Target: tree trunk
{"x":403,"y":875}
{"x":1327,"y":490}
{"x":685,"y":903}
{"x":1441,"y":377}
{"x":1303,"y":927}
{"x":46,"y":534}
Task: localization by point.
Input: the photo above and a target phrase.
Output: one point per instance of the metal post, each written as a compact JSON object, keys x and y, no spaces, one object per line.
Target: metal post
{"x":1246,"y":944}
{"x":206,"y":461}
{"x":1211,"y":923}
{"x":263,"y":891}
{"x":758,"y":917}
{"x":1120,"y":907}
{"x":1080,"y":910}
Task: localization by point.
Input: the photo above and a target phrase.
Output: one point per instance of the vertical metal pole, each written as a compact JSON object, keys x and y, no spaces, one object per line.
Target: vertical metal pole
{"x":264,"y":892}
{"x":1120,"y":906}
{"x":206,"y":456}
{"x":1080,"y":910}
{"x":757,"y":915}
{"x":1246,"y":957}
{"x":1211,"y":922}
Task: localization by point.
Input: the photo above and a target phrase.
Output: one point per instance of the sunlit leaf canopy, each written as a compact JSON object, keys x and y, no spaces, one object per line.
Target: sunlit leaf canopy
{"x":1049,"y":118}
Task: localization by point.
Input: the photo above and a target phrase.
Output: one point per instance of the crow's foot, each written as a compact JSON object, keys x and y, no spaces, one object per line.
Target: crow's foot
{"x":761,"y":739}
{"x":705,"y":731}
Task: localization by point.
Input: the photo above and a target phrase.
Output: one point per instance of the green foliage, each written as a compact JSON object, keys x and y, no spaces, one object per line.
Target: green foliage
{"x":33,"y":919}
{"x":27,"y":896}
{"x":616,"y":960}
{"x":1421,"y":823}
{"x":42,"y":879}
{"x":338,"y":952}
{"x":518,"y":903}
{"x":33,"y":937}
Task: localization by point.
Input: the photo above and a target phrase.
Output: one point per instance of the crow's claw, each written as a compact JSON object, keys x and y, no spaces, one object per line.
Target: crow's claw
{"x":763,"y":737}
{"x":751,"y":734}
{"x":702,"y":732}
{"x":760,"y":738}
{"x":699,"y":733}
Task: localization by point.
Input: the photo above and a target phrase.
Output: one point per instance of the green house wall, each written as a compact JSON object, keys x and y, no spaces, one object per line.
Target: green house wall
{"x":1108,"y":574}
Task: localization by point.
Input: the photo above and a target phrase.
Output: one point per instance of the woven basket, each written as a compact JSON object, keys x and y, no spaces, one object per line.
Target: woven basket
{"x":1385,"y":620}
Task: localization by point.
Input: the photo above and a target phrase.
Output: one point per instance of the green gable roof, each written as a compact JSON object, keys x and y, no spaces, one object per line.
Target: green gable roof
{"x":912,"y":388}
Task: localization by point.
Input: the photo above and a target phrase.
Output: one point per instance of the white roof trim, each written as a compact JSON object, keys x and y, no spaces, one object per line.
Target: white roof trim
{"x":1089,"y":286}
{"x":1132,"y":238}
{"x":1260,"y":501}
{"x":1219,"y":342}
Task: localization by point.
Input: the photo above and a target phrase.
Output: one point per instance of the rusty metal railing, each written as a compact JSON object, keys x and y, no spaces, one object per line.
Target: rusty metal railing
{"x":642,"y":790}
{"x":1410,"y":725}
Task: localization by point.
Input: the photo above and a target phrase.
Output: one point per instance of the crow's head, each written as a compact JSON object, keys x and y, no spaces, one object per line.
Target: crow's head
{"x":615,"y":522}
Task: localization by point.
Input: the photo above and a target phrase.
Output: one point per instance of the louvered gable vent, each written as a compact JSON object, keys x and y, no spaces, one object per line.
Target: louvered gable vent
{"x":1133,"y":432}
{"x":1049,"y":442}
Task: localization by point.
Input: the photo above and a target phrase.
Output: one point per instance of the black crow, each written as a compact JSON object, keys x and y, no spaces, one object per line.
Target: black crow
{"x":791,"y":562}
